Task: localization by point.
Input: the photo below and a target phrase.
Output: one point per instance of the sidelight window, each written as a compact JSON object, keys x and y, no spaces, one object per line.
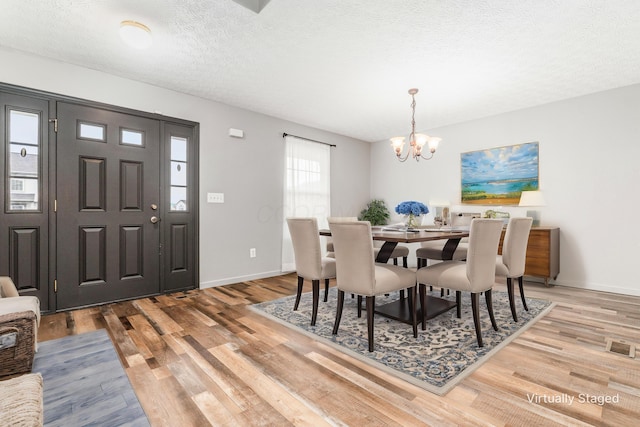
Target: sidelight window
{"x":24,"y":160}
{"x":179,"y":182}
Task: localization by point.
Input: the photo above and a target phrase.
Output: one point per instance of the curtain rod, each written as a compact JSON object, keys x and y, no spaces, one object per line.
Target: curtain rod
{"x":307,"y":139}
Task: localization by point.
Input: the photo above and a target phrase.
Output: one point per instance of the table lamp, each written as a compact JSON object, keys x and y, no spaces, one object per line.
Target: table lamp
{"x":532,"y":199}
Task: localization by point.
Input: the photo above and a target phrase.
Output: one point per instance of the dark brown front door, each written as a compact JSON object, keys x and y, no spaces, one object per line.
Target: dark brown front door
{"x":108,"y":205}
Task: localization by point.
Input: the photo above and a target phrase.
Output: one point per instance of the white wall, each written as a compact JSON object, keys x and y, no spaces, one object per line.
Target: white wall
{"x":248,"y":171}
{"x":589,"y":174}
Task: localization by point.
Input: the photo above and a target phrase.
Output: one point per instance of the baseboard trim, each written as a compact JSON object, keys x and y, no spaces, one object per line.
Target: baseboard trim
{"x":238,"y":279}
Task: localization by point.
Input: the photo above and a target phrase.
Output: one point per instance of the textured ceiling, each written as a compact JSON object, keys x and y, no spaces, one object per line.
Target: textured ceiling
{"x":346,"y":66}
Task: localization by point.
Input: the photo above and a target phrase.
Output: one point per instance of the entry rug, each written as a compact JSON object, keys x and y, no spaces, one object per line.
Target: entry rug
{"x":85,"y":384}
{"x":441,"y":356}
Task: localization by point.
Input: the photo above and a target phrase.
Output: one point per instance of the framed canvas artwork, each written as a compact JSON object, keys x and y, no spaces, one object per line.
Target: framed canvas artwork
{"x":497,"y":176}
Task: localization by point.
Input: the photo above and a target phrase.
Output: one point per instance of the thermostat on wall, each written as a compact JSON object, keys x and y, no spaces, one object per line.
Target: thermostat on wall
{"x":236,"y":133}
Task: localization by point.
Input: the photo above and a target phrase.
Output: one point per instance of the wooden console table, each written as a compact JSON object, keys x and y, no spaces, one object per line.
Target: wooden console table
{"x":543,"y":253}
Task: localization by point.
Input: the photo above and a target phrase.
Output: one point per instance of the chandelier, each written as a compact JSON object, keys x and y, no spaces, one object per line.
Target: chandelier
{"x":416,"y":140}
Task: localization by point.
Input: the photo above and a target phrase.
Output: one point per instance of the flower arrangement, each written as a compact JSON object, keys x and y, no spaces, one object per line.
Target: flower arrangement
{"x":413,"y":209}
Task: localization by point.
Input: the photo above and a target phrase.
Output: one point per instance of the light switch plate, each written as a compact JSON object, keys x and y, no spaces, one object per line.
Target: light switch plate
{"x":215,"y":197}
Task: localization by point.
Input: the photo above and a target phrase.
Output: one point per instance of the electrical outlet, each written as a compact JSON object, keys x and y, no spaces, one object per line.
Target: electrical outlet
{"x":252,"y":253}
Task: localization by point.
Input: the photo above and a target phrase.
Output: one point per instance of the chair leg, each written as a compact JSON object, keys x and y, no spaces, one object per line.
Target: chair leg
{"x":405,"y":262}
{"x":475,"y":299}
{"x":316,"y":297}
{"x":359,"y":306}
{"x":488,"y":297}
{"x":414,"y":315}
{"x":371,"y":302}
{"x":336,"y":324}
{"x":395,"y":261}
{"x":524,"y":301}
{"x":459,"y":304}
{"x":326,"y":290}
{"x":299,"y":293}
{"x":402,"y":294}
{"x":423,"y":305}
{"x":512,"y":303}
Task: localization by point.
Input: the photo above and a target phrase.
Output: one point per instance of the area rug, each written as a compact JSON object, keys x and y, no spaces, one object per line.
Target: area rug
{"x":85,"y":384}
{"x":443,"y":354}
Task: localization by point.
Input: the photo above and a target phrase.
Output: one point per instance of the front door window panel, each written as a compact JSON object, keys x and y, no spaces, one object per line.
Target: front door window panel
{"x":24,"y":161}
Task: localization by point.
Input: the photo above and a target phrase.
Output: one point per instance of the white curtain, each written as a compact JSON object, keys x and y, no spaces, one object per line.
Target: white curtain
{"x":306,"y":188}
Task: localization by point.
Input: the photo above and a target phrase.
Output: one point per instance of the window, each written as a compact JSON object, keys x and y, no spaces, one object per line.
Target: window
{"x":131,"y":137}
{"x":92,"y":131}
{"x":178,"y":197}
{"x":24,"y":160}
{"x":307,"y":188}
{"x":17,"y":185}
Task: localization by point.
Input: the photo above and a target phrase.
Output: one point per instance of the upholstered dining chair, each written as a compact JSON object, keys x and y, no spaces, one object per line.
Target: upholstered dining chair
{"x":434,"y":250}
{"x":358,"y":273}
{"x":310,"y":264}
{"x":476,"y":275}
{"x":398,"y":252}
{"x":514,"y":254}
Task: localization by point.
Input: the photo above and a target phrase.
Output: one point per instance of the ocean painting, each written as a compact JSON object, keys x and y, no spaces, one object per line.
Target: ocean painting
{"x":497,"y":176}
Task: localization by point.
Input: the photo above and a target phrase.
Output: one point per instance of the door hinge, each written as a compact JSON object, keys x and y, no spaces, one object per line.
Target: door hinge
{"x":55,"y":285}
{"x":55,"y":205}
{"x":55,"y":124}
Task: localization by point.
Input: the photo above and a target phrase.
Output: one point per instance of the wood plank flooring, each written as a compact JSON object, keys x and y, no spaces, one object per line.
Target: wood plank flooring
{"x":202,"y":358}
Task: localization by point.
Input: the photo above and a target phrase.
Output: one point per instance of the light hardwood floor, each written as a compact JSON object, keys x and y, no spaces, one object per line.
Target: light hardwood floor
{"x":202,"y":358}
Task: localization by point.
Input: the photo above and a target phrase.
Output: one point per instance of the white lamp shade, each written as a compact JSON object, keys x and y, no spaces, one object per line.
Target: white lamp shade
{"x":532,"y":198}
{"x":421,"y":139}
{"x":433,"y":143}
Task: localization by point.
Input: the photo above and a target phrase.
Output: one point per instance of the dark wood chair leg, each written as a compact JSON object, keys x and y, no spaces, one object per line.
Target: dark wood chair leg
{"x":441,"y":292}
{"x":359,"y":306}
{"x":488,"y":297}
{"x":475,"y":302}
{"x":326,"y":290}
{"x":512,"y":303}
{"x":405,"y":262}
{"x":336,"y":324}
{"x":423,"y":305}
{"x":316,"y":297}
{"x":395,"y":261}
{"x":414,"y":315}
{"x":520,"y":285}
{"x":459,"y":304}
{"x":299,"y":293}
{"x":371,"y":302}
{"x":402,"y":294}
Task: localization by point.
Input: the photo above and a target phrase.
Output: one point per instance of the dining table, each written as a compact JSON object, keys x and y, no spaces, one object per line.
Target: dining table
{"x":391,"y":236}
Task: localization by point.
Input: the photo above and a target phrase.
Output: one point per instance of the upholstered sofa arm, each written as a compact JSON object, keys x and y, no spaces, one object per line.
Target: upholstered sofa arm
{"x":7,"y":288}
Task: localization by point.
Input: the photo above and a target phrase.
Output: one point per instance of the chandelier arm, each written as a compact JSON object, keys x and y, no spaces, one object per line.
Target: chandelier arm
{"x":426,"y":158}
{"x":404,"y":158}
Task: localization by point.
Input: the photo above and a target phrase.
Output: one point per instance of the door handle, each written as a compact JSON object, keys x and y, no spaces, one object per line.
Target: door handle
{"x":154,"y":219}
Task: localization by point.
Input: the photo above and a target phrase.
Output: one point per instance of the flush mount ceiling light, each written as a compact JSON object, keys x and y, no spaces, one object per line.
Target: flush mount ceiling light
{"x":416,"y":140}
{"x":135,"y":34}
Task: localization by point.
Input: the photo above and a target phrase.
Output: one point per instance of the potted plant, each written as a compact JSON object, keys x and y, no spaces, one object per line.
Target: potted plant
{"x":376,"y":212}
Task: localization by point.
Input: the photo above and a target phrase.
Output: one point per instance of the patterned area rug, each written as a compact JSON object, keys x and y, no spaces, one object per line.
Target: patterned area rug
{"x":443,"y":354}
{"x":85,"y":384}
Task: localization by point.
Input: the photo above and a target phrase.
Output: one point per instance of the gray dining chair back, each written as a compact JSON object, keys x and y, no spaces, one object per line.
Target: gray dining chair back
{"x":357,"y":272}
{"x":310,"y":264}
{"x":511,"y":264}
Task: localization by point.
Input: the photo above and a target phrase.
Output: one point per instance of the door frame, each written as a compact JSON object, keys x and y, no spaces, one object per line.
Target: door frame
{"x":50,"y":185}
